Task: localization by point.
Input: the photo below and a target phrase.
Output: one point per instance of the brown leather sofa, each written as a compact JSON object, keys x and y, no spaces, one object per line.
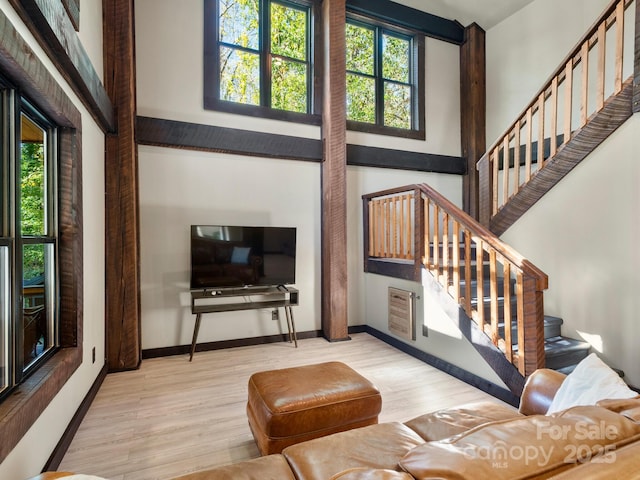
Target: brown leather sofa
{"x":476,"y":441}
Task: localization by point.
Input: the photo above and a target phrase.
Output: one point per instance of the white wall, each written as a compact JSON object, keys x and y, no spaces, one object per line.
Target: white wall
{"x":524,"y":50}
{"x":32,"y":452}
{"x":178,"y":188}
{"x":584,"y":232}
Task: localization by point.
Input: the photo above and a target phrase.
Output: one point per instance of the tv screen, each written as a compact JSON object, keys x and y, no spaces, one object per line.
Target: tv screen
{"x":233,"y":256}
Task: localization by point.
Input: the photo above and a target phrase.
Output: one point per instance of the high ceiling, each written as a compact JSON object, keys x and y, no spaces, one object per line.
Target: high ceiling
{"x":486,"y":13}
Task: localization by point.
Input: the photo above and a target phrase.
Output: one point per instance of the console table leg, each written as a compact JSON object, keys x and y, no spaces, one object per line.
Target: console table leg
{"x":291,"y":324}
{"x":194,"y":340}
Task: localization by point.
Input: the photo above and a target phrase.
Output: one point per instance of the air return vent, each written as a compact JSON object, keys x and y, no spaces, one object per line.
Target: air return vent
{"x":402,"y":313}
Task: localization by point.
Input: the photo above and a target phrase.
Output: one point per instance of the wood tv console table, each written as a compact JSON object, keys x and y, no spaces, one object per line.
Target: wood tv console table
{"x":205,"y":301}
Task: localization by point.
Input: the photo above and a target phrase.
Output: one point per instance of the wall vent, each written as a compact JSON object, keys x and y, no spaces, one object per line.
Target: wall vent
{"x":402,"y":313}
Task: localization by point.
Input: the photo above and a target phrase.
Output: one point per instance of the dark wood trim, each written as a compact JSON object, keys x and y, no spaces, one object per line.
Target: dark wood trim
{"x":209,"y":138}
{"x":21,"y":66}
{"x":636,"y":62}
{"x":507,"y":372}
{"x":417,"y":20}
{"x":405,"y":270}
{"x":122,"y":242}
{"x":472,"y":113}
{"x":72,"y":8}
{"x":334,"y":309}
{"x":444,"y":366}
{"x":615,"y":112}
{"x":223,"y":344}
{"x":49,"y":23}
{"x":175,"y":134}
{"x":360,"y":155}
{"x":65,"y":441}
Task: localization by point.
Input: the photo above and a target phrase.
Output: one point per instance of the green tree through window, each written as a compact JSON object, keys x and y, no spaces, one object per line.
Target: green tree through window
{"x":263,"y":51}
{"x":379,"y":76}
{"x":259,"y":60}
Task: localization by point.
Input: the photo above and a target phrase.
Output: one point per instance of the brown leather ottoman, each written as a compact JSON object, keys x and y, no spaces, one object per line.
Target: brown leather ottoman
{"x":293,"y":405}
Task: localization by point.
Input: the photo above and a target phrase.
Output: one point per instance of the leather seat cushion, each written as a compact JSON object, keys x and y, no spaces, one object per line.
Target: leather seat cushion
{"x":376,"y":447}
{"x":526,"y":447}
{"x":290,"y":405}
{"x":363,"y":473}
{"x":453,"y":421}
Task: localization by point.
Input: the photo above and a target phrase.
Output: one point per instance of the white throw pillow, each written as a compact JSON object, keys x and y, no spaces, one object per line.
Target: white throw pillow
{"x":591,"y":381}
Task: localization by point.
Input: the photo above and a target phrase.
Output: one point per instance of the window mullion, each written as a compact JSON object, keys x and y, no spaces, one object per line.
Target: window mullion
{"x":379,"y":77}
{"x":265,"y":49}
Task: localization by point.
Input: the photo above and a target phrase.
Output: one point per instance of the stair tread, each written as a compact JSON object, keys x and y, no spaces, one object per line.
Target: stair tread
{"x":559,"y":345}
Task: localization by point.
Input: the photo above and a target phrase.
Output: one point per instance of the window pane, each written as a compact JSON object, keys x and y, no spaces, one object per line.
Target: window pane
{"x":361,"y":94}
{"x":32,"y":178}
{"x":395,"y":58}
{"x":288,"y":32}
{"x":360,"y":47}
{"x":240,"y":22}
{"x":4,"y":318}
{"x":288,"y":85}
{"x":38,"y":332}
{"x":239,"y":76}
{"x":397,"y":105}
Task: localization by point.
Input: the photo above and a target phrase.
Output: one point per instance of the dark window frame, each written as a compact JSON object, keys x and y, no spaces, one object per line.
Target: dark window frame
{"x":48,"y":237}
{"x":417,"y":80}
{"x":211,"y":63}
{"x":30,"y":79}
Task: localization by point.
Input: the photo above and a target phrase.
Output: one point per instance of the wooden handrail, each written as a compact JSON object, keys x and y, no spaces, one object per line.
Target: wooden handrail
{"x":500,"y":167}
{"x":417,"y":224}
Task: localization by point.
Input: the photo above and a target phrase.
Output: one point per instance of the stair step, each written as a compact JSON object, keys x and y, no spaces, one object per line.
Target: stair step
{"x":561,"y":352}
{"x":486,"y":286}
{"x":551,"y":328}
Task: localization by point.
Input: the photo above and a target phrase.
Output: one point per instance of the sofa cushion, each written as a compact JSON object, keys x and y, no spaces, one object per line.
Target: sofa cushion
{"x":453,"y":421}
{"x":592,"y":380}
{"x":363,"y":473}
{"x":378,"y":446}
{"x":621,"y":464}
{"x":523,"y":448}
{"x":271,"y":467}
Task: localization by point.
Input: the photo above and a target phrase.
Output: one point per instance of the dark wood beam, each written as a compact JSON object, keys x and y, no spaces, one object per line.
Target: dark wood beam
{"x":472,"y":113}
{"x":334,"y":174}
{"x":192,"y":136}
{"x":365,"y":156}
{"x":121,"y":178}
{"x":49,"y":22}
{"x":417,"y":20}
{"x":210,"y":138}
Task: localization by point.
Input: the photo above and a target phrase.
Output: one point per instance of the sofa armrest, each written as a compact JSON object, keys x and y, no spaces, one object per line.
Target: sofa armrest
{"x":539,"y":390}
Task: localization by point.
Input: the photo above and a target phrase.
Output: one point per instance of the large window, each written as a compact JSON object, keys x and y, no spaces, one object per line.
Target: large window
{"x":258,"y":58}
{"x":28,"y":240}
{"x":384,"y":85}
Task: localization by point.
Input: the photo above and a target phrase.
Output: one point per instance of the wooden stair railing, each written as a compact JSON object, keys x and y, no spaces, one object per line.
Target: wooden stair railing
{"x":418,"y":227}
{"x":569,"y":101}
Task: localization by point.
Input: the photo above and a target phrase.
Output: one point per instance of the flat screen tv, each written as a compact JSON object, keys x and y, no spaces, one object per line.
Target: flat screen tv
{"x":225,"y":256}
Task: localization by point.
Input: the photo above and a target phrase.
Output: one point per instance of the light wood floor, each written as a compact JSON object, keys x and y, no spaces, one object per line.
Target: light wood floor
{"x":173,"y":417}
